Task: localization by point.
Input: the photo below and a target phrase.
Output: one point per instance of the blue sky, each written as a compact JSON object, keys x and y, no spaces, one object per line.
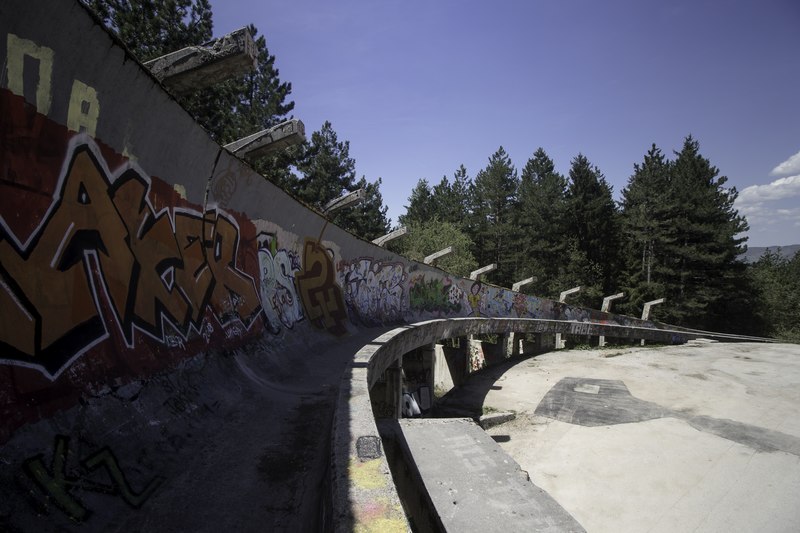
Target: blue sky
{"x":420,"y":87}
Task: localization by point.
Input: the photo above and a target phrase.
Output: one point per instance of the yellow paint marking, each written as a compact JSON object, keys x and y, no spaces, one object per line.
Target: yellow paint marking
{"x":17,"y":50}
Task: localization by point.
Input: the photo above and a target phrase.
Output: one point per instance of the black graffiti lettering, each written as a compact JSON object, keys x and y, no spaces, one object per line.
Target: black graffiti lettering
{"x":57,"y":484}
{"x":106,"y":459}
{"x":152,"y":268}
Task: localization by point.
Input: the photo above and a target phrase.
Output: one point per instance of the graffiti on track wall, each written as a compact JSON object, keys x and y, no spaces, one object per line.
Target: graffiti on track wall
{"x":373,"y":290}
{"x":476,"y":298}
{"x":101,"y":239}
{"x":320,"y":294}
{"x":278,"y":268}
{"x":438,"y":296}
{"x":59,"y":482}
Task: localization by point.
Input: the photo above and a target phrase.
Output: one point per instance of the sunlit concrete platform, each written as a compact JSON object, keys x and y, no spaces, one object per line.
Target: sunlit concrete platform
{"x":466,"y":482}
{"x":699,"y":437}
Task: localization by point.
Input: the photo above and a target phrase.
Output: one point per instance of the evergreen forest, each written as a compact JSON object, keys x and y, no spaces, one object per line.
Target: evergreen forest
{"x":674,"y":233}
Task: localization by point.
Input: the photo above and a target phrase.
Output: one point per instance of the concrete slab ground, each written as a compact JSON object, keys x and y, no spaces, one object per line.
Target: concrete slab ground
{"x":700,"y":437}
{"x":473,"y":484}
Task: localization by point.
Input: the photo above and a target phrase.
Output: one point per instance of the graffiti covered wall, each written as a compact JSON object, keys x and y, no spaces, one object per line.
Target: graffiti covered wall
{"x":168,"y":275}
{"x":133,"y":246}
{"x":121,"y":258}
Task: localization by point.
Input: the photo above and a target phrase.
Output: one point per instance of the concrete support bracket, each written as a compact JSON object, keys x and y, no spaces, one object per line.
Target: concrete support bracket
{"x":196,"y":67}
{"x":560,"y":344}
{"x":269,"y":141}
{"x":476,"y":274}
{"x":646,"y":309}
{"x":605,"y":308}
{"x":608,"y":299}
{"x":648,"y":305}
{"x":518,"y":285}
{"x":563,"y":296}
{"x":437,"y":255}
{"x":399,"y":232}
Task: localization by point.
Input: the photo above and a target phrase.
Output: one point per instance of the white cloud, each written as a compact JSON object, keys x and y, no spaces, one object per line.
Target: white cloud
{"x":771,"y":211}
{"x":779,"y":189}
{"x":790,"y":166}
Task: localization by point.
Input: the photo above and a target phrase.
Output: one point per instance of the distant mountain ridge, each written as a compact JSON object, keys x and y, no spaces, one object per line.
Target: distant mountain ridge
{"x":754,"y":253}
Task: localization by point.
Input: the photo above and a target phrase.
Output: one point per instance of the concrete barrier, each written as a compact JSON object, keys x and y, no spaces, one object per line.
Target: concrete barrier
{"x":168,"y":316}
{"x":357,"y":442}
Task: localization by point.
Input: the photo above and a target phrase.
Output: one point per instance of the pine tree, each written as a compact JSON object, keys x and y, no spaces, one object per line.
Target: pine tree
{"x":367,"y":220}
{"x":704,"y":242}
{"x":645,"y":230}
{"x":152,"y":28}
{"x":328,"y":172}
{"x":777,"y":285}
{"x":327,"y":168}
{"x":420,"y":206}
{"x":593,"y":223}
{"x":247,"y":104}
{"x":541,"y":219}
{"x":229,"y":110}
{"x":451,"y":200}
{"x":461,"y":192}
{"x":493,"y":232}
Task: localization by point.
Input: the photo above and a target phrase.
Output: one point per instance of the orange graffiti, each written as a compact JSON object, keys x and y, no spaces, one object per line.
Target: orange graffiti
{"x":103,"y":240}
{"x":321,"y":296}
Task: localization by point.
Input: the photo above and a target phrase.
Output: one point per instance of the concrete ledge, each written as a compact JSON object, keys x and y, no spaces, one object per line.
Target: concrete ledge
{"x":473,"y":484}
{"x":201,"y":66}
{"x":363,"y":492}
{"x":271,"y":140}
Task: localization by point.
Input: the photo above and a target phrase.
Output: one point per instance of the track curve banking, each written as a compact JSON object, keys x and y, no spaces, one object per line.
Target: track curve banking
{"x":170,"y":317}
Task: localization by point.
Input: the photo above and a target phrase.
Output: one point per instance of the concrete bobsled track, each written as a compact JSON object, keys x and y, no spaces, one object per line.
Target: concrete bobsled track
{"x":174,"y":336}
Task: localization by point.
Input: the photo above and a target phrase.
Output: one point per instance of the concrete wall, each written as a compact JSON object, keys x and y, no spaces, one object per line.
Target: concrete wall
{"x":135,"y":253}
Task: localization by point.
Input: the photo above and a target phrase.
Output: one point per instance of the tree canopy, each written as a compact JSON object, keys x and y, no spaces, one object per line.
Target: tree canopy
{"x":592,"y":223}
{"x":494,"y":197}
{"x":541,"y":219}
{"x":675,"y":233}
{"x":247,"y":104}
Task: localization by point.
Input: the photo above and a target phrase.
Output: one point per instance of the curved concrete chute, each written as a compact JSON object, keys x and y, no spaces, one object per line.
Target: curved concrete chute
{"x":173,"y":323}
{"x":354,"y":422}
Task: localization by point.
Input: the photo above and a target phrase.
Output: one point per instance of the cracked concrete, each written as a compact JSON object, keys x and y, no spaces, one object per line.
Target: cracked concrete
{"x":691,"y":438}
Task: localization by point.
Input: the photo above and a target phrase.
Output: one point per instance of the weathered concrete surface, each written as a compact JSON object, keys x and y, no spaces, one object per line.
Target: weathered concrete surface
{"x":196,"y":67}
{"x":353,"y":423}
{"x":473,"y":484}
{"x":265,"y":142}
{"x":697,"y":437}
{"x":169,"y":316}
{"x":235,"y":442}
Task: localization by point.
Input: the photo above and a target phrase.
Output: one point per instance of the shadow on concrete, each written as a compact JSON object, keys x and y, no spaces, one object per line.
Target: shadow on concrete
{"x":467,"y":399}
{"x":607,"y":402}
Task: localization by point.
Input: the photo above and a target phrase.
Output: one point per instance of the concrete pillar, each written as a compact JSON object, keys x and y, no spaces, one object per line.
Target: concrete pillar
{"x":428,"y":363}
{"x":476,"y":274}
{"x":513,"y":341}
{"x":646,"y":310}
{"x":474,"y":347}
{"x":346,"y":200}
{"x":394,"y":386}
{"x":436,"y":255}
{"x":399,"y":232}
{"x":442,"y":373}
{"x":605,"y":308}
{"x":543,"y":342}
{"x":269,"y":141}
{"x":511,"y":344}
{"x":562,"y":298}
{"x":518,"y":285}
{"x":195,"y":67}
